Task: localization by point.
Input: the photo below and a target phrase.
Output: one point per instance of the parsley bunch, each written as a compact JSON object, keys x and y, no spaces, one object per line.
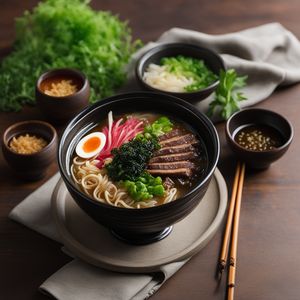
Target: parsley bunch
{"x":65,"y":33}
{"x":226,"y":96}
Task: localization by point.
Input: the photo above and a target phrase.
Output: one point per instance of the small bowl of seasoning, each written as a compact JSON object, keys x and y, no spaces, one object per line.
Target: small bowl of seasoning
{"x":29,"y":148}
{"x":62,"y":93}
{"x":258,"y":136}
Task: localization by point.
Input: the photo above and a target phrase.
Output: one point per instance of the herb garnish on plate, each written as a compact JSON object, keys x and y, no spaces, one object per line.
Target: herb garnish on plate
{"x":226,"y":95}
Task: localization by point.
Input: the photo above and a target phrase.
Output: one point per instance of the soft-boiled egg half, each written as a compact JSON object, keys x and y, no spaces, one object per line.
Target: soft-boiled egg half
{"x":91,"y":145}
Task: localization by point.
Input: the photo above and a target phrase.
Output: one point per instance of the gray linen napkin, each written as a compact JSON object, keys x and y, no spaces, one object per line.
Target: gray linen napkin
{"x":77,"y":279}
{"x":268,"y":54}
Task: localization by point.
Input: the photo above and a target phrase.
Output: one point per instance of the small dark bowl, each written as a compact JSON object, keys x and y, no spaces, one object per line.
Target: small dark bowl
{"x":257,"y":116}
{"x":30,"y":166}
{"x":62,"y":109}
{"x":139,"y":226}
{"x":212,"y":60}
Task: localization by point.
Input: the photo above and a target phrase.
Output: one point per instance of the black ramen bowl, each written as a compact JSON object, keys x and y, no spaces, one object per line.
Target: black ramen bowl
{"x":139,"y":226}
{"x":211,"y":59}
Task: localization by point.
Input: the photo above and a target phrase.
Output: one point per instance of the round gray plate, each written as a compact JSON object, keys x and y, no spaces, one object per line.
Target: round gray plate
{"x":95,"y":244}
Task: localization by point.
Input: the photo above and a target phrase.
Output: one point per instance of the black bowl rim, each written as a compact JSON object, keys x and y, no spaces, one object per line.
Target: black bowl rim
{"x":76,"y":73}
{"x":163,"y":46}
{"x":266,"y":111}
{"x":38,"y":123}
{"x":105,"y":101}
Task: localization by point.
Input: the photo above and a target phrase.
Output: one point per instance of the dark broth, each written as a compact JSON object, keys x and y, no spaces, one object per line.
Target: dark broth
{"x":258,"y":137}
{"x":183,"y":184}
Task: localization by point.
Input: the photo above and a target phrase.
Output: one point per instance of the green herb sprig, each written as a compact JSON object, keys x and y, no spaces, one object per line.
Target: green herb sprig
{"x":227,"y":97}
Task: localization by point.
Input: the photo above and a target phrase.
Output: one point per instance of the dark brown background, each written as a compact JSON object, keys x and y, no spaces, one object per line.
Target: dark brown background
{"x":269,"y":241}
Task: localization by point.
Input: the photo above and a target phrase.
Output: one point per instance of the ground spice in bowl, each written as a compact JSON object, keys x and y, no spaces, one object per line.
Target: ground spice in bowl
{"x":27,"y":144}
{"x":258,"y":137}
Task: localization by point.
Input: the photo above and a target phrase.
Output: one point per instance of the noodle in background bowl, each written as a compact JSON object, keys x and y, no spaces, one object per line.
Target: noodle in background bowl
{"x":139,"y":226}
{"x":211,"y":59}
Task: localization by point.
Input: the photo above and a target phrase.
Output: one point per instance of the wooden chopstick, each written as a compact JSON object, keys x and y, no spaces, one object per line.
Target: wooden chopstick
{"x":225,"y":245}
{"x":234,"y":240}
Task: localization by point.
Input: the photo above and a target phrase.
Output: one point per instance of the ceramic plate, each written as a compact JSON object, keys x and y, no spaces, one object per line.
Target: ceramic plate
{"x":95,"y":244}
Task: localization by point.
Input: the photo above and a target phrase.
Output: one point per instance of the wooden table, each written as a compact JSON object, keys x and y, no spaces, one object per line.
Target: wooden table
{"x":269,"y":241}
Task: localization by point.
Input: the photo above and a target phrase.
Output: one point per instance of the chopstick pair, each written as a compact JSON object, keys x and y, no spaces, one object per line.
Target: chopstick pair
{"x":232,"y":226}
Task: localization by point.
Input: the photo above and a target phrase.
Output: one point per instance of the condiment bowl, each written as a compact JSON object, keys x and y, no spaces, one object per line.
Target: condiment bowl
{"x":259,"y":117}
{"x":30,"y":166}
{"x":211,"y":59}
{"x":63,"y":108}
{"x":139,"y":226}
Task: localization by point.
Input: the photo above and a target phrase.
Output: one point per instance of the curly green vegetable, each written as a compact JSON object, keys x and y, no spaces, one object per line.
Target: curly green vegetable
{"x":130,"y":160}
{"x":145,"y":187}
{"x":65,"y":33}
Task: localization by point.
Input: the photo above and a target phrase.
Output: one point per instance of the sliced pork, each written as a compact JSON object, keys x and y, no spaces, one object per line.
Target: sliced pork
{"x":176,"y":155}
{"x":171,"y":165}
{"x":175,"y":149}
{"x":175,"y":132}
{"x":185,"y":172}
{"x":179,"y":140}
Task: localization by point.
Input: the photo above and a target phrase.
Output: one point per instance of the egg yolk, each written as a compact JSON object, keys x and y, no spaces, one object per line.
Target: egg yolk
{"x":91,"y":144}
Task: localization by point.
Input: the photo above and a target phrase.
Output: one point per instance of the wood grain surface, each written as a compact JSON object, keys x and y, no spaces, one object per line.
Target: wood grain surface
{"x":268,"y":263}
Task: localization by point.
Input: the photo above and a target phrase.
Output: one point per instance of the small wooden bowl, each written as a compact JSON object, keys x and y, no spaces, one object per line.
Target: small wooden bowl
{"x":257,"y":116}
{"x":213,"y":61}
{"x":63,"y":109}
{"x":30,"y":166}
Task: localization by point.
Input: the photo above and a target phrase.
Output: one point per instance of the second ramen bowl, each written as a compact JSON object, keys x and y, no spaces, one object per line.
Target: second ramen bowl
{"x":211,"y":59}
{"x":147,"y":225}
